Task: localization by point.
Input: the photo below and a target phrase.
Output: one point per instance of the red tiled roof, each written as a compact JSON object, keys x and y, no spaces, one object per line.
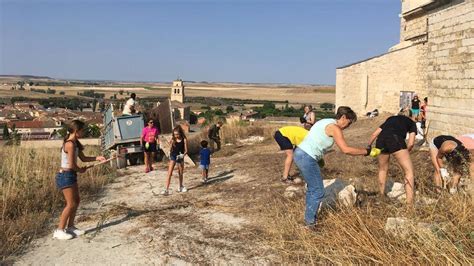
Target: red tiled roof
{"x":26,"y":124}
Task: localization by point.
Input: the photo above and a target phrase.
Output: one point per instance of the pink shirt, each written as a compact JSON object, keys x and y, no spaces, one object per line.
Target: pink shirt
{"x":149,"y":134}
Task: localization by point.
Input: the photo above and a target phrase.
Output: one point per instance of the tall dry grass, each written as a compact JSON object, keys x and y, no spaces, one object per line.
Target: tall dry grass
{"x":28,"y":195}
{"x":231,"y":133}
{"x":357,"y":235}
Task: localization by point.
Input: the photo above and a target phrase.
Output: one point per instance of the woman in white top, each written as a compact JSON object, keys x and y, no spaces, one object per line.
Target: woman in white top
{"x":66,"y":179}
{"x":319,"y":140}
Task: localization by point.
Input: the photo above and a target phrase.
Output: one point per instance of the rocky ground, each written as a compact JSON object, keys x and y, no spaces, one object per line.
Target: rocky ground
{"x":130,"y":222}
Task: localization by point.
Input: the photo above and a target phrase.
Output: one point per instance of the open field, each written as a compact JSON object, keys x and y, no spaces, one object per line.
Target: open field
{"x":295,"y":94}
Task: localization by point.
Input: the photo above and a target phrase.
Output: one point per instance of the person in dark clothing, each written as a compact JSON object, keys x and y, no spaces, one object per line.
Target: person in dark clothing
{"x":415,"y":106}
{"x":214,"y":136}
{"x":179,"y":149}
{"x":457,"y":156}
{"x":391,"y":140}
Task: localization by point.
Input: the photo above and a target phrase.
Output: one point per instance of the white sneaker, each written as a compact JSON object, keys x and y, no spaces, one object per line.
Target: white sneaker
{"x":182,"y":189}
{"x":62,"y":234}
{"x":165,"y":192}
{"x":75,"y":231}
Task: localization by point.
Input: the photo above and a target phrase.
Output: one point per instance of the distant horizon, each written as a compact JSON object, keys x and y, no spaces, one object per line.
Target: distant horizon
{"x":157,"y":81}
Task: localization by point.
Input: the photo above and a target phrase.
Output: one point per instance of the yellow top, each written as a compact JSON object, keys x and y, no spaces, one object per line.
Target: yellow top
{"x":295,"y":134}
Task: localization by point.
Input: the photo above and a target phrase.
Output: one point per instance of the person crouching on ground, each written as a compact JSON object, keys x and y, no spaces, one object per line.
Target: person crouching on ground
{"x":205,"y":160}
{"x":150,"y":142}
{"x":214,"y":136}
{"x":319,"y":140}
{"x":391,"y":140}
{"x":288,"y":138}
{"x":179,"y":149}
{"x":457,"y":156}
{"x":66,"y":179}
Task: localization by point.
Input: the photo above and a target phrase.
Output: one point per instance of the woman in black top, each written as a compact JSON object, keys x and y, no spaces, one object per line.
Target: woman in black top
{"x":179,"y":149}
{"x":415,"y":106}
{"x":391,"y":140}
{"x":457,"y":156}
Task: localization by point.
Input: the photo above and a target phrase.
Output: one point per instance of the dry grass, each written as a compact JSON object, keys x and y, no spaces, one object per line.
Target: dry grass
{"x":356,"y":235}
{"x":234,"y":132}
{"x":29,"y":198}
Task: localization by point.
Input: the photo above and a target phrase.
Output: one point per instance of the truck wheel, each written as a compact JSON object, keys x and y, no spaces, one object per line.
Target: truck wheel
{"x":133,"y":158}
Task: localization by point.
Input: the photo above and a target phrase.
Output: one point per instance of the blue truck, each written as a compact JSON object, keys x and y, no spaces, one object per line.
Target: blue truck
{"x":121,"y":135}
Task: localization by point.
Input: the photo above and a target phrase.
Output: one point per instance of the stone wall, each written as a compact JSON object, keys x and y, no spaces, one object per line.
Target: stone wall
{"x":414,"y":27}
{"x":439,"y":65}
{"x":376,"y":83}
{"x":450,"y":70}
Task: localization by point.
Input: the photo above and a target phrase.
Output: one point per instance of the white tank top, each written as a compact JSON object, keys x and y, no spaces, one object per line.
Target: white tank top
{"x":64,"y":160}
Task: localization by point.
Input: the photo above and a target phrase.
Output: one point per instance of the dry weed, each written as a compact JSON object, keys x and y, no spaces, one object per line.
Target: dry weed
{"x":29,"y":198}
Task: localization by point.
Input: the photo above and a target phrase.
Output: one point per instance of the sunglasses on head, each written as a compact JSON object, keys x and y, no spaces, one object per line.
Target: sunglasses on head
{"x":151,"y":122}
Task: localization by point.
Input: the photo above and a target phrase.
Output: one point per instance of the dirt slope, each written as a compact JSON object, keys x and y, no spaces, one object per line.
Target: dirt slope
{"x":130,"y":223}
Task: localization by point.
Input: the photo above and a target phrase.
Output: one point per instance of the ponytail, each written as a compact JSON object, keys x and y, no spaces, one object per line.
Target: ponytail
{"x":73,"y":127}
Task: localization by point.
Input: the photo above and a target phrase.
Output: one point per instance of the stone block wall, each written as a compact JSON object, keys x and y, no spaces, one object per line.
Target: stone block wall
{"x":450,"y":69}
{"x":414,"y":27}
{"x":376,"y":83}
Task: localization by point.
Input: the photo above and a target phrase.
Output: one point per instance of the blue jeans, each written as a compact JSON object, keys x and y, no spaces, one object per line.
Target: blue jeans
{"x":309,"y":168}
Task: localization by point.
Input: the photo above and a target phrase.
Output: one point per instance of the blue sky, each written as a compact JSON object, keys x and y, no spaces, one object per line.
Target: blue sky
{"x":245,"y":41}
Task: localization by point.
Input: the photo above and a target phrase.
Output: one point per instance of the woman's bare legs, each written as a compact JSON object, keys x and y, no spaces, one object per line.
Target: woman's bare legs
{"x":180,"y":173}
{"x":147,"y":155}
{"x":403,"y":158}
{"x":171,"y":165}
{"x":383,"y":170}
{"x":288,"y":163}
{"x":71,"y":195}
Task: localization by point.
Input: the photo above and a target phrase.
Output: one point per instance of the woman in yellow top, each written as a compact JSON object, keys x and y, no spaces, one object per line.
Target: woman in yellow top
{"x":288,"y":138}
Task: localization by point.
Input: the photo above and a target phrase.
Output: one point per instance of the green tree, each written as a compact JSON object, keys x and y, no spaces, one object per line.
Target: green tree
{"x":93,"y":131}
{"x":269,"y":105}
{"x":62,"y":93}
{"x":102,"y":106}
{"x":121,"y":92}
{"x":6,"y":133}
{"x":15,"y":137}
{"x":94,"y":105}
{"x":229,"y":109}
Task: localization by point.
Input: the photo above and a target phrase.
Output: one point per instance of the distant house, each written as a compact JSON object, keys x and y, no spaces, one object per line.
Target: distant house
{"x":27,"y":105}
{"x":34,"y":129}
{"x":249,"y":115}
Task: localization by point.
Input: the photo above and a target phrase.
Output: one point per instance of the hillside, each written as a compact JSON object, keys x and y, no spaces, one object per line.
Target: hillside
{"x":243,"y":217}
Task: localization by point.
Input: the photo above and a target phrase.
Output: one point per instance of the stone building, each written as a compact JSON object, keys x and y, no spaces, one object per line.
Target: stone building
{"x":180,"y":109}
{"x":434,"y":58}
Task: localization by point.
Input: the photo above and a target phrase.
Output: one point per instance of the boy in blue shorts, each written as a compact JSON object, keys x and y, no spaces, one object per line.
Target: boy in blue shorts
{"x":205,"y":156}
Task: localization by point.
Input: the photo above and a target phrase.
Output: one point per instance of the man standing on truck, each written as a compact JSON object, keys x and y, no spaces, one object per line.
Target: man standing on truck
{"x":214,"y":136}
{"x":129,"y":108}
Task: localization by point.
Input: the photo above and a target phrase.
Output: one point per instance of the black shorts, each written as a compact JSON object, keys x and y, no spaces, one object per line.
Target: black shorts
{"x":151,"y":147}
{"x":390,"y":144}
{"x":283,"y":142}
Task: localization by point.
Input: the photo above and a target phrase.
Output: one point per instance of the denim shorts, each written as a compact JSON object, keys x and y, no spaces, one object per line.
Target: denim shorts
{"x":173,"y":157}
{"x":66,"y":179}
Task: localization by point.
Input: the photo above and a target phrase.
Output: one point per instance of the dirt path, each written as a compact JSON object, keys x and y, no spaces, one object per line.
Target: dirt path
{"x":131,"y":224}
